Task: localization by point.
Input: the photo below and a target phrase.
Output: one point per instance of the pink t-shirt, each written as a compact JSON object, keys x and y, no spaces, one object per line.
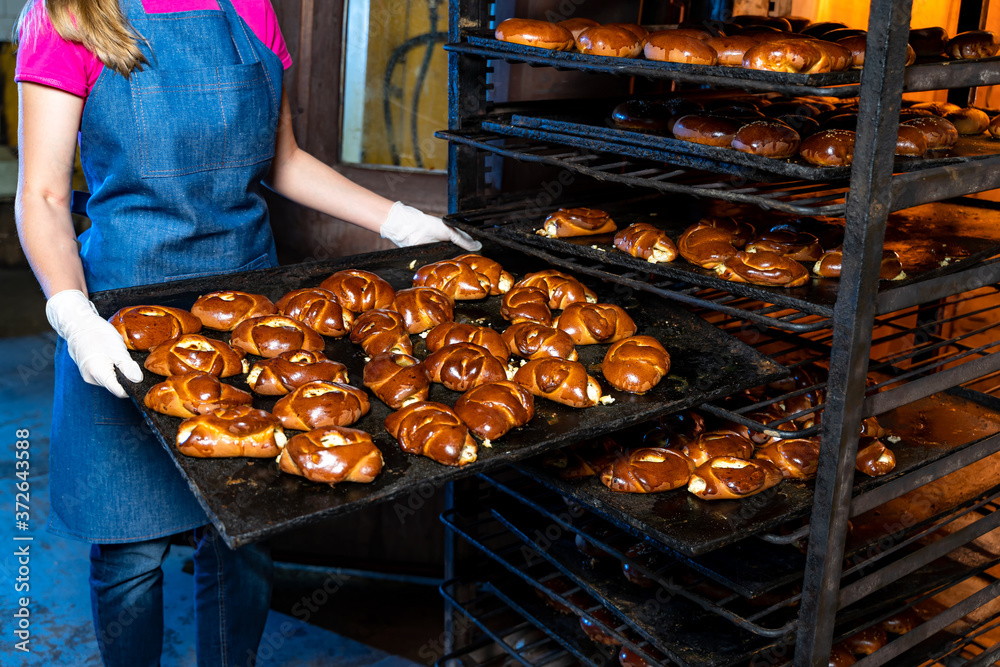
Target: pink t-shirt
{"x":45,"y":57}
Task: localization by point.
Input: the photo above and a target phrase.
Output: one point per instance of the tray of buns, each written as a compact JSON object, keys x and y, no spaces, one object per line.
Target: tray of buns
{"x":596,"y":132}
{"x":250,"y":498}
{"x":931,"y":240}
{"x":919,"y":434}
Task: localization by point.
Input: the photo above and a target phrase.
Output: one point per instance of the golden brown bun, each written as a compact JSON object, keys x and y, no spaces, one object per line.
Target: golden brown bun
{"x":453,"y":332}
{"x":634,"y":28}
{"x":491,"y":410}
{"x":712,"y":444}
{"x":462,"y":366}
{"x":225,"y":309}
{"x":740,"y":232}
{"x":227,"y":432}
{"x":358,"y":290}
{"x":290,"y":370}
{"x":454,"y":278}
{"x":561,"y":289}
{"x":727,"y":477}
{"x":910,"y":142}
{"x":828,"y":266}
{"x":928,"y":41}
{"x":319,"y":310}
{"x":597,"y":629}
{"x":730,"y":50}
{"x":767,"y":138}
{"x":901,"y":623}
{"x":145,"y":327}
{"x":706,"y":129}
{"x":940,"y":134}
{"x":332,"y":455}
{"x":857,"y":44}
{"x":380,"y":330}
{"x":593,"y":323}
{"x":787,"y":55}
{"x":935,"y":108}
{"x":270,"y":335}
{"x":972,"y":45}
{"x":432,"y":430}
{"x":569,"y":222}
{"x":874,"y":458}
{"x":994,"y":127}
{"x":529,"y":32}
{"x":194,"y":353}
{"x":829,"y":148}
{"x":190,"y":394}
{"x":969,"y":121}
{"x":802,"y":246}
{"x":423,"y":308}
{"x":491,"y":275}
{"x":644,"y":241}
{"x":526,"y":304}
{"x":763,"y":268}
{"x":841,"y":657}
{"x":635,"y":364}
{"x":669,"y":47}
{"x":609,"y":41}
{"x":397,"y":379}
{"x":559,"y":380}
{"x":531,"y":340}
{"x":320,"y":404}
{"x":796,"y":458}
{"x":839,"y":57}
{"x":577,"y":25}
{"x":648,"y":470}
{"x":705,"y":245}
{"x":866,"y":641}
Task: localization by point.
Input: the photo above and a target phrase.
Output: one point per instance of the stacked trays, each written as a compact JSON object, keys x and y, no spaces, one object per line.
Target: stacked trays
{"x":250,"y":499}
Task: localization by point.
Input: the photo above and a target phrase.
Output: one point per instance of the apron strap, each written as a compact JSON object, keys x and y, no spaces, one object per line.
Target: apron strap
{"x":238,"y":30}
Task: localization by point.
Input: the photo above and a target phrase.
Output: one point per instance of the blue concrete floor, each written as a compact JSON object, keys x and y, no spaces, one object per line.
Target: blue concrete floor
{"x":60,"y":626}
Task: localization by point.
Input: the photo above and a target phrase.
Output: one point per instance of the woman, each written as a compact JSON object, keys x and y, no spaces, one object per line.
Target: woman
{"x":181,"y":117}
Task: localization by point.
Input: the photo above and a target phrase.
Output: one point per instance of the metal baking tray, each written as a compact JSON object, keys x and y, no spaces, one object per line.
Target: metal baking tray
{"x":929,"y":429}
{"x":834,"y":84}
{"x":249,"y":499}
{"x":596,"y":132}
{"x":932,"y":240}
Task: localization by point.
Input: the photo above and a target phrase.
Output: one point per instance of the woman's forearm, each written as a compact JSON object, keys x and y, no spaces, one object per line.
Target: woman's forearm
{"x":308,"y":181}
{"x":48,"y":239}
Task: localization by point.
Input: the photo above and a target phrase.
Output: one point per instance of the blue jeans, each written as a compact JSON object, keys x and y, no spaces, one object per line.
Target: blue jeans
{"x":232,"y":597}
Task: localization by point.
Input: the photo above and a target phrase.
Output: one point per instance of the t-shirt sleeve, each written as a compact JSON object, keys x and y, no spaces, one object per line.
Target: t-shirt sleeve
{"x":270,"y":33}
{"x":46,"y":58}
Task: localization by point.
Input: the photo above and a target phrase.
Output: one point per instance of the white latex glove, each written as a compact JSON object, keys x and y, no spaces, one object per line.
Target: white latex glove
{"x":407,"y":226}
{"x":93,"y":343}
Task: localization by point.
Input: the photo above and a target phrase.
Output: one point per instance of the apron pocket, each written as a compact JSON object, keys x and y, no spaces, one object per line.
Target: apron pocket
{"x":202,"y":119}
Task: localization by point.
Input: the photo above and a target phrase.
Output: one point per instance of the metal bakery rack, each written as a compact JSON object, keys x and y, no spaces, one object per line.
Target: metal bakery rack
{"x":776,"y":579}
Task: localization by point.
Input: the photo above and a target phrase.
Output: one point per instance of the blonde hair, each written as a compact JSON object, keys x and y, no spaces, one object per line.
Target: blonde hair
{"x":97,"y":24}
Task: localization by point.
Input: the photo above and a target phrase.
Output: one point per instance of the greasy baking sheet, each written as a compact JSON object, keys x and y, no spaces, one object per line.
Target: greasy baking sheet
{"x":932,"y":240}
{"x":591,"y":130}
{"x":249,"y":499}
{"x":929,"y":429}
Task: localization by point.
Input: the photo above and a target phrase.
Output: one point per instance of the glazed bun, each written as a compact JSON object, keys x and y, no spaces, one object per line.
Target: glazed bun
{"x":648,"y":470}
{"x":190,"y":394}
{"x":829,"y":148}
{"x":940,"y":134}
{"x":450,"y":333}
{"x":462,"y":366}
{"x":928,"y":42}
{"x":145,"y":327}
{"x":397,"y":379}
{"x":767,"y":138}
{"x":796,"y":458}
{"x":529,"y":32}
{"x":972,"y":45}
{"x":593,"y":323}
{"x":712,"y":444}
{"x":318,"y":309}
{"x":577,"y":25}
{"x":225,"y":309}
{"x":910,"y":142}
{"x":532,"y":340}
{"x":290,"y":370}
{"x":358,"y":290}
{"x":423,"y":308}
{"x":194,"y":352}
{"x":321,"y":404}
{"x":236,"y":431}
{"x":569,"y":222}
{"x":562,"y":289}
{"x":727,"y":477}
{"x":969,"y":121}
{"x":381,"y":330}
{"x":559,"y":380}
{"x":763,"y":268}
{"x":609,"y":41}
{"x":706,"y":129}
{"x":787,"y":55}
{"x":332,"y":455}
{"x":432,"y":430}
{"x":994,"y":127}
{"x":644,"y":241}
{"x":839,"y":57}
{"x":635,"y":364}
{"x":491,"y":275}
{"x":634,"y":28}
{"x":271,"y":335}
{"x":668,"y":47}
{"x":526,"y":304}
{"x":491,"y":410}
{"x":730,"y":50}
{"x":455,"y":278}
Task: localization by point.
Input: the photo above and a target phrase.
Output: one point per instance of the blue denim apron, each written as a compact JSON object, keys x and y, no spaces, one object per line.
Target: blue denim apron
{"x":173,"y":157}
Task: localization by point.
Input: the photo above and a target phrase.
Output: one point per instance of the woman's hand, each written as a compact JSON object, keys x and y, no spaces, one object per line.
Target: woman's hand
{"x":406,"y":226}
{"x":93,"y":343}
